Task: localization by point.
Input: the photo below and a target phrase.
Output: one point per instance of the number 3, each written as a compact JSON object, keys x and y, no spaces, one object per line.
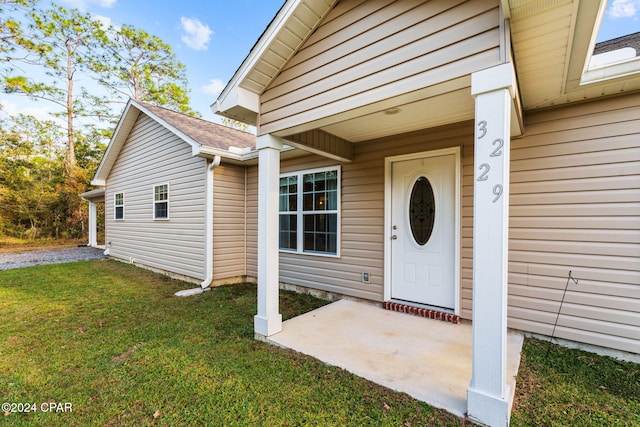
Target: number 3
{"x":482,"y":127}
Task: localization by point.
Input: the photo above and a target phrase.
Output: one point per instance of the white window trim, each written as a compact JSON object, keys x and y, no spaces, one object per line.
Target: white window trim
{"x":116,"y":205}
{"x":153,"y":200}
{"x":299,"y":213}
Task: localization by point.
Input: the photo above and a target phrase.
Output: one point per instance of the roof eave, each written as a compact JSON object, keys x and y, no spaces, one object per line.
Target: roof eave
{"x":239,"y":100}
{"x":239,"y":104}
{"x":238,"y":156}
{"x":117,"y":140}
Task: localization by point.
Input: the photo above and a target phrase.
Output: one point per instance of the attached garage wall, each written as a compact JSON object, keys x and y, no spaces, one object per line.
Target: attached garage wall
{"x":575,"y":207}
{"x":152,"y":156}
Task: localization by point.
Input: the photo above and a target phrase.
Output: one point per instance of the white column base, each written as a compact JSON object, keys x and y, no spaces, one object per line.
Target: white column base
{"x":266,"y":326}
{"x":489,"y":410}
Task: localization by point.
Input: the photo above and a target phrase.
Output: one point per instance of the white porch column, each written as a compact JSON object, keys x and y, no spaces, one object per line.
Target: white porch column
{"x":93,"y":224}
{"x":488,"y":397}
{"x":268,"y":321}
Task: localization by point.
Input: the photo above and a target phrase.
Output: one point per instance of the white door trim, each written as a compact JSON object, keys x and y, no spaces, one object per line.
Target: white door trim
{"x":387,"y":216}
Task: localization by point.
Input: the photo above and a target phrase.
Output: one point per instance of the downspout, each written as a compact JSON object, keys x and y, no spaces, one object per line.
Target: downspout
{"x":208,"y":233}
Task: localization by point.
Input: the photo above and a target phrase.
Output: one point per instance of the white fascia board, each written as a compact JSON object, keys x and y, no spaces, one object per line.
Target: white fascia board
{"x":613,"y":71}
{"x":602,"y":8}
{"x":113,"y":148}
{"x":209,"y":152}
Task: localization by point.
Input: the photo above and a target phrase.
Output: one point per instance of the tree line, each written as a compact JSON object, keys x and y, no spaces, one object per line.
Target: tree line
{"x":49,"y":55}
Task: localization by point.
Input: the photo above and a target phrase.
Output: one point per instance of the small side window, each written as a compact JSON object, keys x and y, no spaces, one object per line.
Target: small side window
{"x":118,"y":206}
{"x":161,"y":201}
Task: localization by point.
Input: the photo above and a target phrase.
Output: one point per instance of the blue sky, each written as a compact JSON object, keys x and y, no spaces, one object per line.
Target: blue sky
{"x":212,"y":37}
{"x":621,"y":18}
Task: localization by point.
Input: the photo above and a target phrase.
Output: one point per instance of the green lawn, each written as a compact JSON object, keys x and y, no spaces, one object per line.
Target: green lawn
{"x":110,"y":340}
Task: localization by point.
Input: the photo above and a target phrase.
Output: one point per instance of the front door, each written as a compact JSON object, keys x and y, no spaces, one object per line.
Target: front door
{"x":423,"y":230}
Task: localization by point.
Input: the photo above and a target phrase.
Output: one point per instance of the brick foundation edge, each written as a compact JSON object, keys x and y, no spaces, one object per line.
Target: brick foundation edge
{"x":421,"y":312}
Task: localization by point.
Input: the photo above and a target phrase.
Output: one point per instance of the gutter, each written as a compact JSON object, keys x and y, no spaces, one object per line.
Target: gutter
{"x":208,"y":232}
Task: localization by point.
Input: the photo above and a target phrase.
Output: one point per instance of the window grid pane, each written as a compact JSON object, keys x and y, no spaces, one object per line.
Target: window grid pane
{"x":288,"y":231}
{"x":161,"y":193}
{"x":161,"y":210}
{"x":289,"y":194}
{"x":320,"y":232}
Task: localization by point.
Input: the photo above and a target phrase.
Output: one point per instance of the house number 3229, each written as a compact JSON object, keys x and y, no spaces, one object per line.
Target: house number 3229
{"x":498,"y":144}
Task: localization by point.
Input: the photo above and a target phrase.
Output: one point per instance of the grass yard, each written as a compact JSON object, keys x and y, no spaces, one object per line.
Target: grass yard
{"x":111,"y":340}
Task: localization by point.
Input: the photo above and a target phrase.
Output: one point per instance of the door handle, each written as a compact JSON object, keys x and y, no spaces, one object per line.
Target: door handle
{"x":394,"y":237}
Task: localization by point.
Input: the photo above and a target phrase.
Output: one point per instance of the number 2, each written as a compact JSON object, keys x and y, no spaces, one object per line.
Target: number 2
{"x":498,"y":150}
{"x":485,"y":168}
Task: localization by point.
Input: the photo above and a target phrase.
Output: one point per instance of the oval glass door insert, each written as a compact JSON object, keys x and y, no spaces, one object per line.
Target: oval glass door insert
{"x":422,"y":210}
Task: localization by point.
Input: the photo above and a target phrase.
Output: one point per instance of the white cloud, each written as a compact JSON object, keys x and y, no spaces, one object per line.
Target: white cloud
{"x":11,"y":109}
{"x":214,"y":87}
{"x":624,"y":8}
{"x":105,"y":21}
{"x":196,"y":34}
{"x":84,"y":4}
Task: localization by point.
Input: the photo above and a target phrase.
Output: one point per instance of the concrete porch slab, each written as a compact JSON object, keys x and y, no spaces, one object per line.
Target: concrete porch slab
{"x":428,"y":359}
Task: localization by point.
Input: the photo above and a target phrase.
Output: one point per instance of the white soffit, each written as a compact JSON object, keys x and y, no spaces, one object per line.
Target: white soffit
{"x":552,"y":43}
{"x":541,"y":35}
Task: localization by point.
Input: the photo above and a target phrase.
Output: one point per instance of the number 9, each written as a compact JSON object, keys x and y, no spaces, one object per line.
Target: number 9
{"x":497,"y":191}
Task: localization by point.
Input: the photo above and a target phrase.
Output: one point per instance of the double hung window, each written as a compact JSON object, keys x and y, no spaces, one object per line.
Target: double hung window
{"x":309,"y":211}
{"x":161,"y":201}
{"x":118,"y":206}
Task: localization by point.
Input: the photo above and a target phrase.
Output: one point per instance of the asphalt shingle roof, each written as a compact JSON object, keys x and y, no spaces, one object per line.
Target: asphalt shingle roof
{"x":206,"y":133}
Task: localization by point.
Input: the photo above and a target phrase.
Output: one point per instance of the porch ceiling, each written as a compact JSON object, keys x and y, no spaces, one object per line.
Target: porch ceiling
{"x":396,"y":118}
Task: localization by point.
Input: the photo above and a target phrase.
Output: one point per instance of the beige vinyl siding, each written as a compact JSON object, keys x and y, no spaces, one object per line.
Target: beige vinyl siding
{"x":252,"y":221}
{"x":229,"y":231}
{"x":152,"y":156}
{"x":365,"y":52}
{"x":575,"y":206}
{"x":362,"y":213}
